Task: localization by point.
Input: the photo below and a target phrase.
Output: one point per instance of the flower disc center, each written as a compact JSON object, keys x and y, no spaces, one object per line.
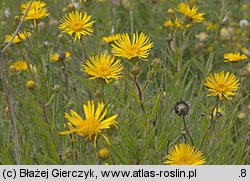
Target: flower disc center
{"x":77,"y":26}
{"x":222,"y":88}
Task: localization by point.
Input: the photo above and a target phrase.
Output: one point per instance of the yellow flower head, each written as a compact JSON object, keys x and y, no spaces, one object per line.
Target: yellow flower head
{"x":170,"y":11}
{"x":191,"y":14}
{"x":77,"y":23}
{"x":169,"y":24}
{"x":30,"y":84}
{"x":177,"y":23}
{"x":93,"y":124}
{"x":18,"y":38}
{"x":138,"y":47}
{"x":37,"y":11}
{"x":184,"y":154}
{"x":234,"y":57}
{"x":55,"y":56}
{"x":210,"y":26}
{"x":103,"y":153}
{"x":217,"y":111}
{"x":110,"y":39}
{"x":19,"y":65}
{"x":222,"y":85}
{"x":103,"y":66}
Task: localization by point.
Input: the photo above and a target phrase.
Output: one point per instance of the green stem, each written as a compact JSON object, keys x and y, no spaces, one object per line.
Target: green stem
{"x":7,"y":91}
{"x":212,"y":122}
{"x":186,"y":130}
{"x":131,"y":15}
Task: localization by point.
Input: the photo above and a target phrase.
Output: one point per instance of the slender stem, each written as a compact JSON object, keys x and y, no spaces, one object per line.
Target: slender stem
{"x":65,"y":77}
{"x":147,"y":81}
{"x":185,"y":129}
{"x":9,"y":101}
{"x":212,"y":122}
{"x":131,"y":14}
{"x":138,"y":89}
{"x":84,"y":56}
{"x":74,"y":150}
{"x":93,"y":43}
{"x":7,"y":91}
{"x":103,"y":91}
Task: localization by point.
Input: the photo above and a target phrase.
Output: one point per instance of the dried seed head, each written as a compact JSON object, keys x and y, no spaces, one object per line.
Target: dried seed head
{"x":68,"y":152}
{"x":156,"y":63}
{"x":181,"y":108}
{"x":62,"y":56}
{"x":56,"y":88}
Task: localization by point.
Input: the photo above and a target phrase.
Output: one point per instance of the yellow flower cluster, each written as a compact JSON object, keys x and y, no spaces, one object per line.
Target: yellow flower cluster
{"x":190,"y":14}
{"x":37,"y":11}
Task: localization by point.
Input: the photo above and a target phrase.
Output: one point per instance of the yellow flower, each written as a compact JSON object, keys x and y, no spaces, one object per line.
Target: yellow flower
{"x":30,"y":84}
{"x":37,"y":11}
{"x":110,"y":39}
{"x":222,"y":85}
{"x":234,"y":57}
{"x":184,"y":154}
{"x":169,"y":24}
{"x":103,"y":66}
{"x":211,"y":26}
{"x":170,"y":11}
{"x":219,"y":111}
{"x":191,"y":14}
{"x":19,"y":65}
{"x":55,"y":56}
{"x":93,"y":124}
{"x":138,"y":47}
{"x":104,"y":153}
{"x":77,"y":23}
{"x":177,"y":23}
{"x":18,"y":38}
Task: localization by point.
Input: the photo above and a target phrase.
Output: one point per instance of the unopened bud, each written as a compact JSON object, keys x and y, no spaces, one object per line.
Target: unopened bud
{"x":103,"y":153}
{"x":17,"y":20}
{"x":135,"y":70}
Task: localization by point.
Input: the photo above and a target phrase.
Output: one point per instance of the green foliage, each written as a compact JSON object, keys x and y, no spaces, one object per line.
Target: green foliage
{"x":144,"y":136}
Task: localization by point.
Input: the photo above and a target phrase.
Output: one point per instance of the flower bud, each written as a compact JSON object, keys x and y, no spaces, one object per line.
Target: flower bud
{"x":135,"y":70}
{"x":103,"y":153}
{"x":31,"y":84}
{"x":17,"y":20}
